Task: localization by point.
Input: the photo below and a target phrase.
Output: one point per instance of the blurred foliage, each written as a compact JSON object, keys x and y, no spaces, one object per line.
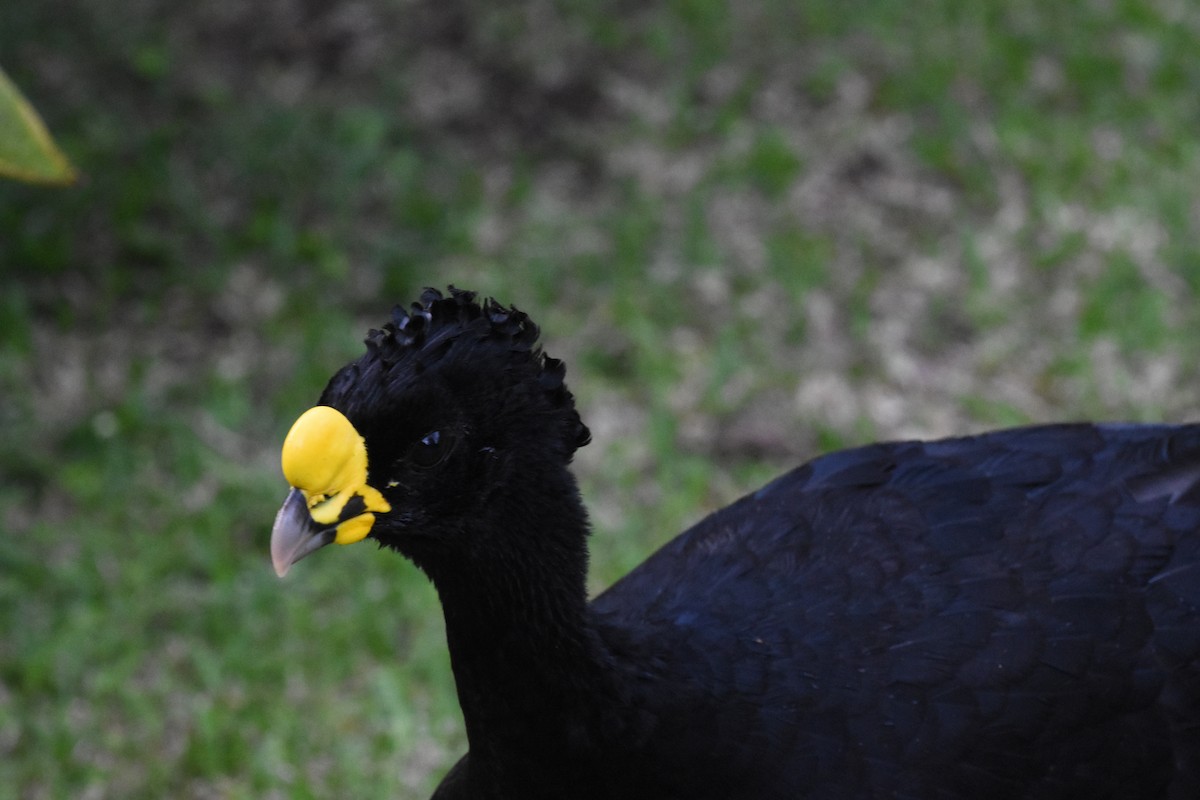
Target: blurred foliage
{"x":27,"y":152}
{"x":754,"y":231}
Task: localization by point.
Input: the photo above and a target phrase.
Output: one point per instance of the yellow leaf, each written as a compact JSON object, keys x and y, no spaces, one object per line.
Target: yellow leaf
{"x":27,"y":152}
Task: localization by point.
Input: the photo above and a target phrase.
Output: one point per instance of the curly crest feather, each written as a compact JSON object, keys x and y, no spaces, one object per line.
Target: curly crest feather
{"x":426,"y":331}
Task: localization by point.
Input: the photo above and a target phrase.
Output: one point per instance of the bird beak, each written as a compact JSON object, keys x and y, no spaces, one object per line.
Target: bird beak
{"x":325,"y":460}
{"x":295,"y":534}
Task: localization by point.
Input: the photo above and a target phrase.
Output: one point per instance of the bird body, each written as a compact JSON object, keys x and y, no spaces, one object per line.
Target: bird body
{"x":1006,"y":615}
{"x":1009,"y":615}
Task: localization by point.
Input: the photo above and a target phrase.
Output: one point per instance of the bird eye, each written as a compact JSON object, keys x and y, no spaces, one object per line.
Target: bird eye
{"x":430,"y":450}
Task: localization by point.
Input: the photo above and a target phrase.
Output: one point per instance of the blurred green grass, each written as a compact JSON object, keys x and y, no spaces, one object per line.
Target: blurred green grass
{"x":755,"y":231}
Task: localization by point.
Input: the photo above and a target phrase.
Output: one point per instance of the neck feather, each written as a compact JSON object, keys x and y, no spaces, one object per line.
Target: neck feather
{"x":530,"y":669}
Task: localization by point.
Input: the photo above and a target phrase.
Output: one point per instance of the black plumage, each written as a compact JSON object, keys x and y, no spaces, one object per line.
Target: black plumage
{"x":1011,"y":615}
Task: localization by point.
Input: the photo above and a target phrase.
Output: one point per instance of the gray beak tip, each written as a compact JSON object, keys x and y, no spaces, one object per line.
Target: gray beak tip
{"x":294,"y":534}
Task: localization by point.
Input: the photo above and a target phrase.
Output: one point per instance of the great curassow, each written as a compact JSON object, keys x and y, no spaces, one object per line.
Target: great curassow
{"x":1009,"y":615}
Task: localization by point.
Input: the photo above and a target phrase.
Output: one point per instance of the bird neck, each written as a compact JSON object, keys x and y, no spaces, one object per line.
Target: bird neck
{"x":529,"y":667}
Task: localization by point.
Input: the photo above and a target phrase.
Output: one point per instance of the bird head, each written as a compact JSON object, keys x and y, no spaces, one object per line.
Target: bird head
{"x":452,"y":403}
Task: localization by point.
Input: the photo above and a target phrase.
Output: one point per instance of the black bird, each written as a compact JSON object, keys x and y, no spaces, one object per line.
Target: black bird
{"x":1010,"y":615}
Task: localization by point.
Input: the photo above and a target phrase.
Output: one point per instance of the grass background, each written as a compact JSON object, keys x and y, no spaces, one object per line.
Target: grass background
{"x":756,"y":231}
